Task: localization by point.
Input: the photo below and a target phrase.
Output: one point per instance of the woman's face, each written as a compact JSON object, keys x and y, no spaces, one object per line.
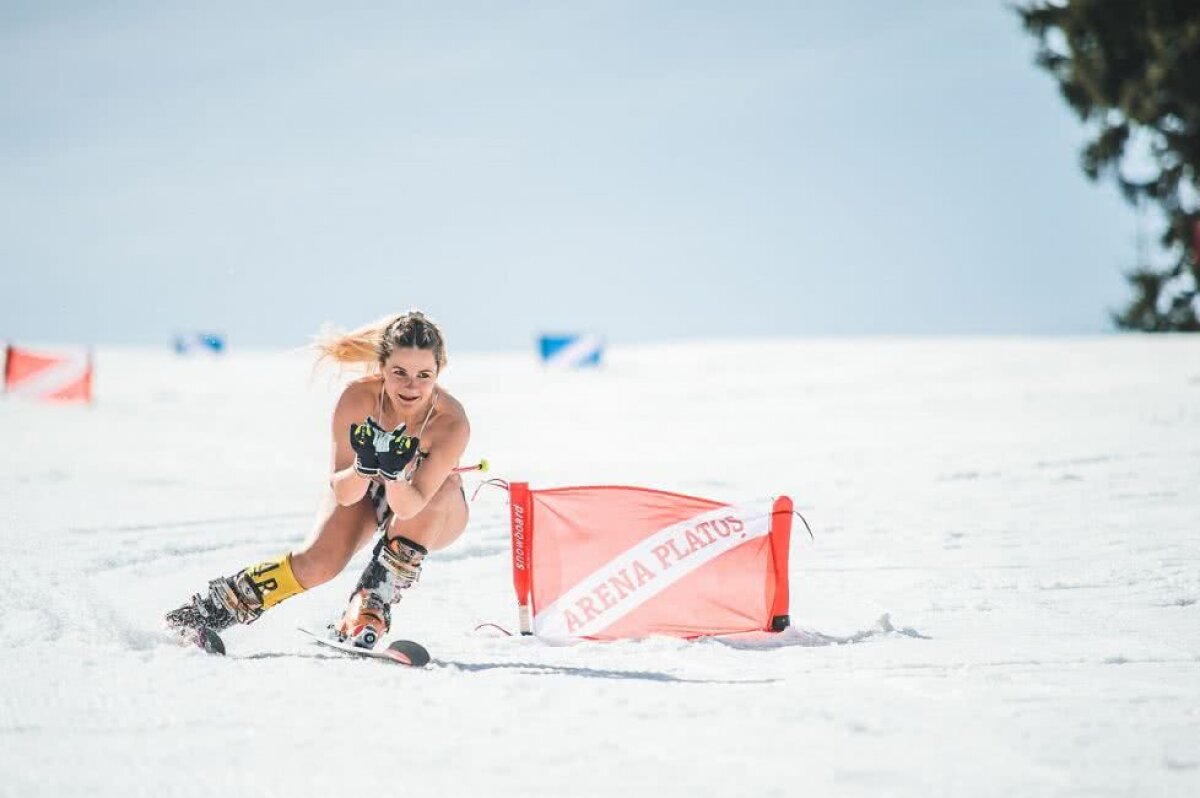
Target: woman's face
{"x":409,"y":376}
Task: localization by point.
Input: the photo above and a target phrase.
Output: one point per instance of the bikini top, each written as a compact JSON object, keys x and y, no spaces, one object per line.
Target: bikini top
{"x":411,"y":469}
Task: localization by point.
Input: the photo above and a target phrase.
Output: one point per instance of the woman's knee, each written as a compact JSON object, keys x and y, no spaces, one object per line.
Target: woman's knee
{"x":337,"y":538}
{"x":315,"y":564}
{"x":450,"y":494}
{"x":441,"y":521}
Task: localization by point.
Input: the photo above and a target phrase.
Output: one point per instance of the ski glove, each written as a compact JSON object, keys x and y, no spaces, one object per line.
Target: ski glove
{"x":400,"y":451}
{"x":377,"y":451}
{"x":366,"y":439}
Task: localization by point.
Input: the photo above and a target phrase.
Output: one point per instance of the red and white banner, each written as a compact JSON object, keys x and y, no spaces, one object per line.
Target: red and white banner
{"x":606,"y":563}
{"x":57,"y":376}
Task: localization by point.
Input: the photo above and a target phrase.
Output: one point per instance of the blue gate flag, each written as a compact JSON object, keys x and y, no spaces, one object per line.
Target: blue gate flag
{"x":571,"y":350}
{"x":188,"y":342}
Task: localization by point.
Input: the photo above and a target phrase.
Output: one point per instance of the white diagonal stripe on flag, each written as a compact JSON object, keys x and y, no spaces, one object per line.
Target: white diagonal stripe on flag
{"x":576,"y":352}
{"x":52,"y":378}
{"x":655,"y":564}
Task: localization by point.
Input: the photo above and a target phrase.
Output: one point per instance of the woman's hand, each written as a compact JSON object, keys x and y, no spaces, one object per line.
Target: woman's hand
{"x":377,"y":451}
{"x":400,"y":451}
{"x":366,"y":439}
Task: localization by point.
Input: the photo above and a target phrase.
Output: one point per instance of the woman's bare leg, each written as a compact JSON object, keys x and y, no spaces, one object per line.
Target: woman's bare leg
{"x":441,"y":522}
{"x":396,"y":565}
{"x":243,"y":597}
{"x":339,"y":533}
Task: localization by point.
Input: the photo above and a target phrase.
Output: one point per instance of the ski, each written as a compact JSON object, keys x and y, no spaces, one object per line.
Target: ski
{"x":401,"y":652}
{"x":205,"y":639}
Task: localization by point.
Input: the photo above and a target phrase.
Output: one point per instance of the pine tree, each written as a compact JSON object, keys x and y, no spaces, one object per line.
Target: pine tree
{"x":1131,"y":71}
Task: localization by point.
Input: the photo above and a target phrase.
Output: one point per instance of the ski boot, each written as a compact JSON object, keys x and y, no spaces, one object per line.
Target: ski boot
{"x":394,"y":567}
{"x":230,"y":600}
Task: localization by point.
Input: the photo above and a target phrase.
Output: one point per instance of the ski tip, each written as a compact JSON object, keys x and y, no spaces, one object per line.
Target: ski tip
{"x":191,"y":637}
{"x":410,"y":653}
{"x":212,"y":643}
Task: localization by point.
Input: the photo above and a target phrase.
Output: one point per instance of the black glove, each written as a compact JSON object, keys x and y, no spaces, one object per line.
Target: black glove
{"x":366,"y":439}
{"x":400,"y":451}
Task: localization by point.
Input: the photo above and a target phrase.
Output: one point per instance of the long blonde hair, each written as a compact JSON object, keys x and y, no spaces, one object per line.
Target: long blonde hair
{"x":373,"y":343}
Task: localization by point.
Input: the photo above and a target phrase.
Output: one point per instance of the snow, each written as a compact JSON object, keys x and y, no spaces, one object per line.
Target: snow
{"x":1002,"y":597}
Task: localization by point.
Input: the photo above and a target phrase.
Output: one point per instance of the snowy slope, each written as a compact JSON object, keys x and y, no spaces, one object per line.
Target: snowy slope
{"x":1003,"y":596}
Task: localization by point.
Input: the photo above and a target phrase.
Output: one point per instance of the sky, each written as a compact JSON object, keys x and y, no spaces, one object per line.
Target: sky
{"x":646,"y":170}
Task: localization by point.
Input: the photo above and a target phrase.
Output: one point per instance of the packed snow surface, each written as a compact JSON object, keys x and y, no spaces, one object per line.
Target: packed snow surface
{"x":1001,"y":597}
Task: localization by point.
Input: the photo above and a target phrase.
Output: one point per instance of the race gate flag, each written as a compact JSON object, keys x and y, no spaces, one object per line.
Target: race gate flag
{"x":571,"y":351}
{"x":204,"y":341}
{"x":608,"y":563}
{"x":59,"y":375}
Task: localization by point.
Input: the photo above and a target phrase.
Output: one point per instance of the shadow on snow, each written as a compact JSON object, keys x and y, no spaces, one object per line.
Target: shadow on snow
{"x":792,"y":636}
{"x":527,"y":668}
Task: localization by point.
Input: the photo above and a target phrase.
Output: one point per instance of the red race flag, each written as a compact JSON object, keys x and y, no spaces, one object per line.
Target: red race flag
{"x":606,"y":563}
{"x":56,"y":376}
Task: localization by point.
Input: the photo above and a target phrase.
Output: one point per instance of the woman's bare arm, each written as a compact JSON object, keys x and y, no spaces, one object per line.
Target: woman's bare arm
{"x":409,"y":498}
{"x":348,"y":485}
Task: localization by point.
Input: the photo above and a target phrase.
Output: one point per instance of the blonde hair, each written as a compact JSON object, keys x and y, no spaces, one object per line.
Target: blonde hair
{"x":373,"y":343}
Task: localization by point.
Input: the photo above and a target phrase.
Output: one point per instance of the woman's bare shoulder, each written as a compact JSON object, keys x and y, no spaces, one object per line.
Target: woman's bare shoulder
{"x":451,"y":413}
{"x":371,"y":381}
{"x":360,"y":396}
{"x":450,"y":405}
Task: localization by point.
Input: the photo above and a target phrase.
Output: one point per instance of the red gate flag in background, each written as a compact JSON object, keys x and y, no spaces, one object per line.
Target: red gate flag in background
{"x":58,"y":376}
{"x":606,"y":563}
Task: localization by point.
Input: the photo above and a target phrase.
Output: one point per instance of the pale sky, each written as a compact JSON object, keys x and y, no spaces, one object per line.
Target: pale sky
{"x":647,"y":170}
